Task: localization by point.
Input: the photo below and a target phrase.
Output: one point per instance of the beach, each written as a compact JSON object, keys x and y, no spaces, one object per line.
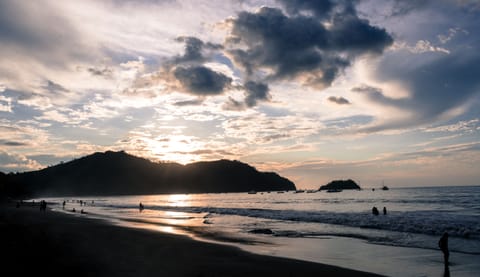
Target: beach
{"x":52,"y":243}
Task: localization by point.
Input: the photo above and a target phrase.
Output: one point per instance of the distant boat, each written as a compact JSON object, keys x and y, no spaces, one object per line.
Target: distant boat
{"x":299,"y":191}
{"x":334,"y":190}
{"x":252,"y":192}
{"x":384,"y":187}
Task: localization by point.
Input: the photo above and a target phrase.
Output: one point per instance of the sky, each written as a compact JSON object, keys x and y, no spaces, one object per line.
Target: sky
{"x":377,"y":91}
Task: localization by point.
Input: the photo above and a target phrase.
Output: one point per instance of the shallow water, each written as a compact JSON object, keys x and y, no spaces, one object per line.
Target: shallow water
{"x":301,"y":224}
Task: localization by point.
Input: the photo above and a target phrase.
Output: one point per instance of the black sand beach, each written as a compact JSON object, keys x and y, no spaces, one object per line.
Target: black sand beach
{"x":55,"y":244}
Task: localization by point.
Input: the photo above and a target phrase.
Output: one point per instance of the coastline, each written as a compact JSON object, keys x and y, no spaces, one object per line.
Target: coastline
{"x":55,"y":243}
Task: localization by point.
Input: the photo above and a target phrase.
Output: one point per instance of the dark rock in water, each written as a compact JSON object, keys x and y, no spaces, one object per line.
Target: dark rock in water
{"x":340,"y":185}
{"x":265,"y":231}
{"x":119,"y":173}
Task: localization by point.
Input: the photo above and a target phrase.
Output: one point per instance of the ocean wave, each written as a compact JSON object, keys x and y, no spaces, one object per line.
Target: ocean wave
{"x":420,"y":222}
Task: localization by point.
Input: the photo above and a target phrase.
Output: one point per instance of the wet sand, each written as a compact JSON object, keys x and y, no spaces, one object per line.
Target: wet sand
{"x":57,"y":244}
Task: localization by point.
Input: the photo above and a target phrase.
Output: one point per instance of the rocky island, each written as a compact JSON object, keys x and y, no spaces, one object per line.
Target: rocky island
{"x":338,"y":185}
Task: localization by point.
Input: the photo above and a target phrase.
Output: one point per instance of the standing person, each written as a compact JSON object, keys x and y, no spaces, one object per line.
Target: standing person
{"x":140,"y":206}
{"x":384,"y":210}
{"x":43,"y":205}
{"x":443,"y":244}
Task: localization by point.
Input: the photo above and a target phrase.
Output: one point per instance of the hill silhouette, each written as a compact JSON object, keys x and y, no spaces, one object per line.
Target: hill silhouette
{"x":119,"y":173}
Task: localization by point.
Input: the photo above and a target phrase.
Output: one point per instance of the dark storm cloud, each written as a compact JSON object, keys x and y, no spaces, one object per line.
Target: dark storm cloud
{"x":338,"y":100}
{"x":354,"y":35}
{"x":194,"y":49}
{"x":256,"y":92}
{"x":300,"y":46}
{"x":201,"y":80}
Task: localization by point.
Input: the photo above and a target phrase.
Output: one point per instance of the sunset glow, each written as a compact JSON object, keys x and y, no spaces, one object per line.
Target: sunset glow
{"x":368,"y":90}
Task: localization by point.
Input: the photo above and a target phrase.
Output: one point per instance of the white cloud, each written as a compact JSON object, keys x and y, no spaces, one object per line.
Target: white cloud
{"x":422,"y":46}
{"x":450,"y":34}
{"x":5,"y":104}
{"x":260,"y":129}
{"x":461,"y":126}
{"x":16,"y":162}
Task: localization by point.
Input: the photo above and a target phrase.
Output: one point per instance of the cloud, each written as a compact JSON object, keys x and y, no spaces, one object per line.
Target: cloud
{"x":54,"y":88}
{"x":194,"y":48}
{"x":450,"y":34}
{"x":256,"y":92}
{"x":12,"y":143}
{"x":438,"y":89}
{"x":104,"y":72}
{"x":467,"y":126}
{"x":23,"y":133}
{"x":5,"y":104}
{"x":201,"y":80}
{"x":37,"y":31}
{"x":193,"y":102}
{"x":338,"y":100}
{"x":16,"y":162}
{"x":192,"y":72}
{"x":377,"y":95}
{"x":234,"y":105}
{"x":422,"y":46}
{"x":301,"y":47}
{"x":321,"y":9}
{"x":402,"y":8}
{"x":258,"y":128}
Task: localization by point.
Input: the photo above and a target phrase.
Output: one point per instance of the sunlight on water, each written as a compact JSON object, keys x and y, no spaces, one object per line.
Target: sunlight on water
{"x":297,"y":225}
{"x":178,"y":200}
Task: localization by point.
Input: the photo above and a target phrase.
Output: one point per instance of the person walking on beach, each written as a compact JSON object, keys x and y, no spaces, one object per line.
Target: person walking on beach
{"x":384,"y":210}
{"x":443,"y":245}
{"x":140,"y":207}
{"x":375,"y":211}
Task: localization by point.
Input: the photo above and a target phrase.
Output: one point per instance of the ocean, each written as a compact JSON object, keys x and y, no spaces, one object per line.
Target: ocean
{"x":336,"y":228}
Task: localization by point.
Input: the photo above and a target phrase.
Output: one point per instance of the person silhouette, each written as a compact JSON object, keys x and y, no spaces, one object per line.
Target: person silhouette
{"x":443,"y":245}
{"x":375,"y":211}
{"x":43,"y":205}
{"x":384,"y":211}
{"x":140,"y":207}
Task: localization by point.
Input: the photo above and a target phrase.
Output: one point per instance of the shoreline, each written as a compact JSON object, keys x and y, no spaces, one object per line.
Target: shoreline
{"x":55,"y":243}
